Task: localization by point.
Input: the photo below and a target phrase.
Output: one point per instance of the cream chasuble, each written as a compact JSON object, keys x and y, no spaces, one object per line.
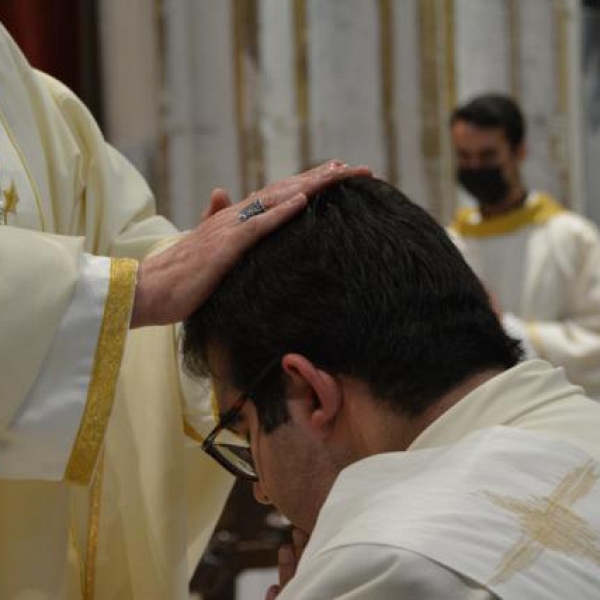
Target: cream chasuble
{"x":498,"y":498}
{"x":540,"y":263}
{"x":138,"y":525}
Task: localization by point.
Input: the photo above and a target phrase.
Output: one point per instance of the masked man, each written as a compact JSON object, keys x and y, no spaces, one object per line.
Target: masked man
{"x":538,"y":261}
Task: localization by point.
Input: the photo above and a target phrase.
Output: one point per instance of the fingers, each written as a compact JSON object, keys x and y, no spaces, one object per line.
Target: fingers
{"x":281,"y":193}
{"x":308,"y":183}
{"x":273,"y":592}
{"x":289,"y":556}
{"x":261,"y":225}
{"x":219,"y":199}
{"x":283,"y":199}
{"x":299,"y":540}
{"x":287,"y":564}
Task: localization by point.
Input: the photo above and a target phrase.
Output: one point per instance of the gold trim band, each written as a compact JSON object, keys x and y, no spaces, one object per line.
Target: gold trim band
{"x":301,"y":73}
{"x":388,"y":101}
{"x":93,"y":532}
{"x":107,"y":362}
{"x":468,"y":222}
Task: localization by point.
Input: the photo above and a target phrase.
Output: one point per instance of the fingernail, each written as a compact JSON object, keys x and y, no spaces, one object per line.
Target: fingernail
{"x":298,"y":199}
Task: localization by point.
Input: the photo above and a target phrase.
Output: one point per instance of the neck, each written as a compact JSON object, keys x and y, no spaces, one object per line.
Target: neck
{"x":513,"y":201}
{"x":384,"y":430}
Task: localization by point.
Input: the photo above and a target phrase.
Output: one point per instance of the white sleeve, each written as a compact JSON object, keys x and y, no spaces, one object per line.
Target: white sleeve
{"x":369,"y":572}
{"x":573,"y":341}
{"x":517,"y":329}
{"x":58,"y":428}
{"x":37,"y":443}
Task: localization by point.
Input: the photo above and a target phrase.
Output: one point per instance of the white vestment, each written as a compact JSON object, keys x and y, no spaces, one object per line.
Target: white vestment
{"x":540,"y":263}
{"x":149,"y":499}
{"x":498,"y":498}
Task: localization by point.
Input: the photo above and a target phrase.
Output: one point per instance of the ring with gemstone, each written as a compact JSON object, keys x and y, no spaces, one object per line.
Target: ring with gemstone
{"x":254,"y":208}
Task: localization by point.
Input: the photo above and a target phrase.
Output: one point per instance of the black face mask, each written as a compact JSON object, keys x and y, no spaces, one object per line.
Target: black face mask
{"x":487,"y":184}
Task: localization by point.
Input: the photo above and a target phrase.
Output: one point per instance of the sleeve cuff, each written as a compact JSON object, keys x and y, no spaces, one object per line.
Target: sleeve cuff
{"x":103,"y":381}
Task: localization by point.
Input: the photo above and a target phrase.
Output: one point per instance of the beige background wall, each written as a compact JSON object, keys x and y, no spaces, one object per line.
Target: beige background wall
{"x":238,"y":92}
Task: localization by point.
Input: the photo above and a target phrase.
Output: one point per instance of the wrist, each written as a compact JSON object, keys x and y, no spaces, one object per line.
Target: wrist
{"x":139,"y":311}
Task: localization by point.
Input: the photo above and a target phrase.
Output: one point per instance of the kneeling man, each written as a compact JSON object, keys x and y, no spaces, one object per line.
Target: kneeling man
{"x":367,"y":388}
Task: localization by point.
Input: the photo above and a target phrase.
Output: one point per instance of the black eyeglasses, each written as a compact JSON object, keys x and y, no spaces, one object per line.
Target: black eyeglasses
{"x":231,"y":451}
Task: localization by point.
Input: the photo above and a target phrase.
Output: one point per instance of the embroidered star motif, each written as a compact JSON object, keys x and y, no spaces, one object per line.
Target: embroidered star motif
{"x":11,"y":199}
{"x":549,"y":523}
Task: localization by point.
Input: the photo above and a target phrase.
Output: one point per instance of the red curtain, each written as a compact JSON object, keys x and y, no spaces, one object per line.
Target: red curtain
{"x":48,"y":33}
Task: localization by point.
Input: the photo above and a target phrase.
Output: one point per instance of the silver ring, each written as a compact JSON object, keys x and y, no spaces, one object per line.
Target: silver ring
{"x":253,"y":209}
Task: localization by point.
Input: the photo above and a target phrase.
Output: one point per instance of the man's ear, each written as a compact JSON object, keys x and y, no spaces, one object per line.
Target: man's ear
{"x":320,"y":394}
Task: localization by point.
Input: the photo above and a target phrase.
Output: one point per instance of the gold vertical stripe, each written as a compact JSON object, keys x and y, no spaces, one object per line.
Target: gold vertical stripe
{"x":514,"y":36}
{"x":301,"y":78}
{"x":388,"y":99}
{"x":450,"y":54}
{"x":562,"y":61}
{"x":448,"y":197}
{"x":256,"y":158}
{"x":163,"y":187}
{"x":259,"y":143}
{"x":429,"y":78}
{"x":238,"y":9}
{"x":562,"y":139}
{"x":107,"y":361}
{"x":430,"y":104}
{"x":245,"y":39}
{"x":93,"y":532}
{"x":80,"y":565}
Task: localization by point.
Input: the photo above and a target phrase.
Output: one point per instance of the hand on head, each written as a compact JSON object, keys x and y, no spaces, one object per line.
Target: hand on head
{"x":172,"y":284}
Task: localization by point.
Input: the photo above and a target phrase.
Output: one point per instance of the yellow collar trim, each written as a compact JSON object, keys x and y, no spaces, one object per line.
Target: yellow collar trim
{"x":542,"y":208}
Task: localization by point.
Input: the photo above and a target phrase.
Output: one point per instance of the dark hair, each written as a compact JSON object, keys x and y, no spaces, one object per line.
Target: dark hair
{"x":494,"y":111}
{"x":363,"y":283}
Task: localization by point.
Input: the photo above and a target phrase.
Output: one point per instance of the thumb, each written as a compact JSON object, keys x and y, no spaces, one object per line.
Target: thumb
{"x":219,"y":199}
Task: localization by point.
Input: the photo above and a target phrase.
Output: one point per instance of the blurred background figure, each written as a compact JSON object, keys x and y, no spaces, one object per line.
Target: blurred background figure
{"x":538,"y":261}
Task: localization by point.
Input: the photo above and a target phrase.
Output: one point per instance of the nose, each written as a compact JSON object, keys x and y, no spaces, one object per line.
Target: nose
{"x":259,"y":495}
{"x":470,"y":162}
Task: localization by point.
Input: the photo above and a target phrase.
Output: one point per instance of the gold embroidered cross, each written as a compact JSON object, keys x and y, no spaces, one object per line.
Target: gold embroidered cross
{"x":549,"y":523}
{"x":9,"y":203}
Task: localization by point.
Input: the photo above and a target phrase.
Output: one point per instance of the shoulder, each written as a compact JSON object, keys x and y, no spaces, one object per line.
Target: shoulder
{"x":379,"y":572}
{"x":572,"y":235}
{"x":57,"y":90}
{"x":556,"y":216}
{"x":572,"y":238}
{"x":68,"y":103}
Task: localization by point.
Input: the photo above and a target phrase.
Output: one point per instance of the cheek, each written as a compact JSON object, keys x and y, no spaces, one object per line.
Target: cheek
{"x":260,"y":447}
{"x":275,"y":470}
{"x":264,"y":461}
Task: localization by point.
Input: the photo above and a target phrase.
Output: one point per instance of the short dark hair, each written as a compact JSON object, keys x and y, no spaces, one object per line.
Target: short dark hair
{"x":494,"y":111}
{"x":363,"y":283}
